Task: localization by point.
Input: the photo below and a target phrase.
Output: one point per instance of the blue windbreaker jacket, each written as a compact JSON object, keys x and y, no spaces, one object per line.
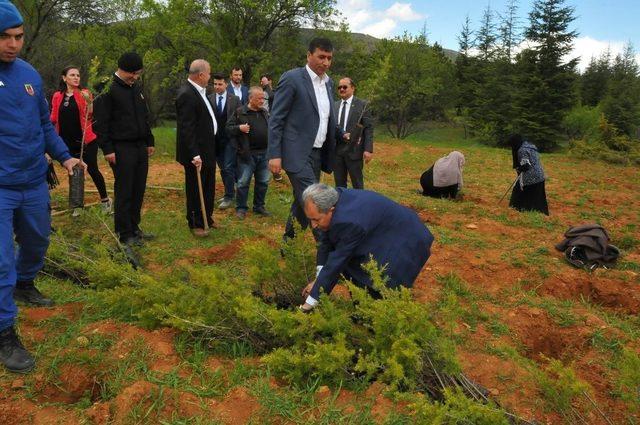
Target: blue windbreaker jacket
{"x":26,"y":132}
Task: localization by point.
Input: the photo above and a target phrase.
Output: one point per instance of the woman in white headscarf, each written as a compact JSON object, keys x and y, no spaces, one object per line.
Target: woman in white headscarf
{"x":444,"y":178}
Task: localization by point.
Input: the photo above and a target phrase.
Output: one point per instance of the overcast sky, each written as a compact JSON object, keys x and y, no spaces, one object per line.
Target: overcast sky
{"x":599,"y":23}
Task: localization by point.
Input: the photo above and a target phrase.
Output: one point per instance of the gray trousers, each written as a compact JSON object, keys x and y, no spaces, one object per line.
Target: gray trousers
{"x":308,"y":175}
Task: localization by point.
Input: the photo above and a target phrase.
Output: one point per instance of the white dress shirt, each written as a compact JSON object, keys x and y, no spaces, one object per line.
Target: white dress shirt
{"x":203,"y":94}
{"x":347,"y":108}
{"x":324,"y":107}
{"x":237,"y":90}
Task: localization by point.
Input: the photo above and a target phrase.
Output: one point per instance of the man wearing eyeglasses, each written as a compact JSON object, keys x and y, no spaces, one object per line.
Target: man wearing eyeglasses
{"x":302,"y":126}
{"x":124,"y":134}
{"x":354,"y":144}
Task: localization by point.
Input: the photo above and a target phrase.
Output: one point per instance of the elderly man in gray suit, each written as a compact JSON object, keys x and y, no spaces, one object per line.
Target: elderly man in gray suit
{"x":354,"y":144}
{"x":302,"y":126}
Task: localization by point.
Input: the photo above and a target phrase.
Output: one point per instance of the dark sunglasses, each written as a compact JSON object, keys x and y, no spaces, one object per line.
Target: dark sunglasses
{"x":343,"y":87}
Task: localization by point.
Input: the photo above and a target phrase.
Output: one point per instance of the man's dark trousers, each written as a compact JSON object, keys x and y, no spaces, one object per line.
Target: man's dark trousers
{"x":194,"y":212}
{"x":308,"y":175}
{"x":226,"y":159}
{"x":130,"y":172}
{"x":353,"y":167}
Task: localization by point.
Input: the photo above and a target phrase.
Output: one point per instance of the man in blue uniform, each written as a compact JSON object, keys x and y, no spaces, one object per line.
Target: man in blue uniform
{"x":355,"y":225}
{"x":26,"y":134}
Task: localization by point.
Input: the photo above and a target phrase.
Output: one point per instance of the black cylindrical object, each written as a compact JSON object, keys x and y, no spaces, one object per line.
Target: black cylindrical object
{"x":52,"y":178}
{"x":76,"y":187}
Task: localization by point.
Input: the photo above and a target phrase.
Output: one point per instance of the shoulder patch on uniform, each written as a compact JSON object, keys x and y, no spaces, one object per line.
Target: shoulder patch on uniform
{"x":29,"y":89}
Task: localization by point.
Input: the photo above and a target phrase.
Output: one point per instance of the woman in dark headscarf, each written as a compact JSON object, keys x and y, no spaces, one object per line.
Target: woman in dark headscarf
{"x":528,"y":191}
{"x":444,"y":178}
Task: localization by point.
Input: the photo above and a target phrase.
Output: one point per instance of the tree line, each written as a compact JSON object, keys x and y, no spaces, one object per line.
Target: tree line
{"x":516,"y":77}
{"x":509,"y":76}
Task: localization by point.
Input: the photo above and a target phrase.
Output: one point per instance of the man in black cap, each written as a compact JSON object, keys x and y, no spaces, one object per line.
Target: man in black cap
{"x":124,"y":134}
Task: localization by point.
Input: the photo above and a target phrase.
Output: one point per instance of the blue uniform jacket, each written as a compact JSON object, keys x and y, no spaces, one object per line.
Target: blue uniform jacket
{"x":365,"y":223}
{"x":26,"y":132}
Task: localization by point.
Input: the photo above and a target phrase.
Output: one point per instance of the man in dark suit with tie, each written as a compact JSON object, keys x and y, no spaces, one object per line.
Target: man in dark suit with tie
{"x":302,"y":126}
{"x":355,"y":226}
{"x":354,"y":144}
{"x":236,"y":87}
{"x":225,"y":104}
{"x":196,"y":146}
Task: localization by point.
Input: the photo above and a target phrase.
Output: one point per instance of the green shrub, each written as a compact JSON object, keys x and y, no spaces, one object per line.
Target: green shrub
{"x":607,"y":144}
{"x":561,"y":386}
{"x":385,"y":340}
{"x":457,"y":409}
{"x":357,"y":339}
{"x":280,"y":280}
{"x":629,"y":381}
{"x":581,"y":122}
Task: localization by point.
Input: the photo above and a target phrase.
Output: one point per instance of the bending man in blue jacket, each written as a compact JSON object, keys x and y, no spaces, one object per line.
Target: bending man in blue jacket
{"x":355,"y":225}
{"x":26,"y":134}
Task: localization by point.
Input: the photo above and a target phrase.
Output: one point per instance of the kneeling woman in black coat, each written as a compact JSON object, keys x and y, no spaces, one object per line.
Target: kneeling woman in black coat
{"x":444,"y":178}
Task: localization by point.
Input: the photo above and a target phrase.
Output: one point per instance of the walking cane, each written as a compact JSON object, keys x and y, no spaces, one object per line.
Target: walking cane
{"x":204,"y":213}
{"x":510,"y":187}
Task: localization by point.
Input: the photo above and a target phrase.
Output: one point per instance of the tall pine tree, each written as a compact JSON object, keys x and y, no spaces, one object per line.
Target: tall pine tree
{"x":545,"y":79}
{"x":595,"y":79}
{"x":621,"y":106}
{"x":465,"y":71}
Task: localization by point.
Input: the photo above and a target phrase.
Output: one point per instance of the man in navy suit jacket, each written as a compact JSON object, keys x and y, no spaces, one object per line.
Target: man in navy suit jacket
{"x":302,"y":126}
{"x":236,"y":87}
{"x":356,"y":225}
{"x":224,"y":106}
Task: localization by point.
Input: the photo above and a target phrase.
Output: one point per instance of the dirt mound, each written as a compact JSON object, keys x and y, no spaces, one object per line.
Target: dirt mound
{"x":54,"y":415}
{"x":577,"y":285}
{"x":33,"y":318}
{"x":217,"y":253}
{"x":159,"y":342}
{"x":495,"y":374}
{"x":236,"y":408}
{"x":542,"y":337}
{"x":71,"y":385}
{"x":15,"y":412}
{"x":144,"y":402}
{"x":382,"y":406}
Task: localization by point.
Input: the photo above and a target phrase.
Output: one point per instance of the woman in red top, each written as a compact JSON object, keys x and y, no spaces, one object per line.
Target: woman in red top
{"x":71,"y":113}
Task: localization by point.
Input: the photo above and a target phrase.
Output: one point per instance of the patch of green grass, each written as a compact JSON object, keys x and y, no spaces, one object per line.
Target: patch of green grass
{"x":202,"y":383}
{"x":559,"y":310}
{"x":497,"y":328}
{"x":452,"y":283}
{"x":126,"y":370}
{"x":502,"y":351}
{"x":628,"y":265}
{"x":165,"y":141}
{"x":285,"y":404}
{"x":627,"y":242}
{"x":604,"y":343}
{"x":628,"y":366}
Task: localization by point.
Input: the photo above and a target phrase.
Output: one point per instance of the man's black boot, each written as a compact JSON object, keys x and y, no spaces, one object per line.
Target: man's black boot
{"x":144,"y":236}
{"x":13,"y":355}
{"x":27,"y":293}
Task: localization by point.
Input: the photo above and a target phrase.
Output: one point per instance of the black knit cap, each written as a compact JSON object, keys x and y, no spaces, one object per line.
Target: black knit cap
{"x":130,"y":62}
